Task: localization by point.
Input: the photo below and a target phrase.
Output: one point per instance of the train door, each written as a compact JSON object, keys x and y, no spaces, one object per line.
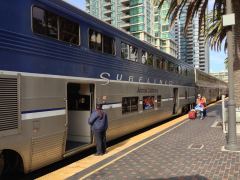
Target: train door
{"x":175,"y":100}
{"x":79,"y":108}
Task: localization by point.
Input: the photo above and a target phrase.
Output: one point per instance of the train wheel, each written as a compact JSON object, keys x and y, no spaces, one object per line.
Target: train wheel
{"x":1,"y":164}
{"x":12,"y":164}
{"x":185,"y":109}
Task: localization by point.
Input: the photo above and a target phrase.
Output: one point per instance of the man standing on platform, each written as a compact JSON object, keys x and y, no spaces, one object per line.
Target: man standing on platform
{"x":99,"y":124}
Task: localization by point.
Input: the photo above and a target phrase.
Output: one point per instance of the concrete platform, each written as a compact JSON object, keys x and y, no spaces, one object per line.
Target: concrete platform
{"x":180,"y":149}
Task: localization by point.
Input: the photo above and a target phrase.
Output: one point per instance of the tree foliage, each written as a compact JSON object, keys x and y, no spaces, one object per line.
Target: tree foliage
{"x":212,"y":22}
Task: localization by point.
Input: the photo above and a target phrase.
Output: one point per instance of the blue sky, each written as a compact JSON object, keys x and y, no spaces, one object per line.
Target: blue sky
{"x":216,"y":58}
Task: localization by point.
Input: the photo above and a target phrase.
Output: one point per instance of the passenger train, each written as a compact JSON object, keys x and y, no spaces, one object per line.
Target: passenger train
{"x":57,"y":62}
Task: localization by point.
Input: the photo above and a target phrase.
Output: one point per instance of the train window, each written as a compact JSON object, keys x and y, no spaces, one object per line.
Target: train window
{"x":150,"y":59}
{"x":179,"y":70}
{"x":51,"y":25}
{"x":144,"y":57}
{"x":45,"y":23}
{"x":129,"y":104}
{"x":108,"y":45}
{"x":129,"y":52}
{"x":159,"y":101}
{"x":148,"y":102}
{"x":166,"y":65}
{"x":95,"y":40}
{"x":147,"y":58}
{"x":171,"y":67}
{"x":68,"y":31}
{"x":102,"y":43}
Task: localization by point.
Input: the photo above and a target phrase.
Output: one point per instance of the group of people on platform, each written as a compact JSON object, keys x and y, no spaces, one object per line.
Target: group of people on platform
{"x":201,"y":106}
{"x":99,"y":123}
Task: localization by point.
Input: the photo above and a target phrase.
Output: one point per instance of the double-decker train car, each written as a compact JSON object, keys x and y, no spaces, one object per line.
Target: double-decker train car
{"x":57,"y":62}
{"x":210,"y":87}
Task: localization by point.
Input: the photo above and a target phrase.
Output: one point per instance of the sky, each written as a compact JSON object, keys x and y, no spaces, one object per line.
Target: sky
{"x":216,"y":58}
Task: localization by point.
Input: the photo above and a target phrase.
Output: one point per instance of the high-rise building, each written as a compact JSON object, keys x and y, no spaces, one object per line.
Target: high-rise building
{"x":164,"y":33}
{"x":138,"y":17}
{"x":191,"y":46}
{"x":135,"y":16}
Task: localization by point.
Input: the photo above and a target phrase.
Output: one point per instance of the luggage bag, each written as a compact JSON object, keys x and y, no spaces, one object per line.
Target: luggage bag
{"x":192,"y":114}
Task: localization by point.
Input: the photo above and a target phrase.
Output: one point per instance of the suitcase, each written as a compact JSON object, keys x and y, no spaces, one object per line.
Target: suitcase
{"x":192,"y":114}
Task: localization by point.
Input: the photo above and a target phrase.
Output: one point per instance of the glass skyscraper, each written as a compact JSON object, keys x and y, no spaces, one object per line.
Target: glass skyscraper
{"x":138,"y":17}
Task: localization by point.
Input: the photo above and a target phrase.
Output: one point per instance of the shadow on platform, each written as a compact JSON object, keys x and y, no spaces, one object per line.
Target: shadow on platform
{"x":193,"y":177}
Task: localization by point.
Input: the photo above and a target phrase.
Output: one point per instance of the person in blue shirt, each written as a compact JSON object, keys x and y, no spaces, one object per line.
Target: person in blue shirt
{"x":99,"y":124}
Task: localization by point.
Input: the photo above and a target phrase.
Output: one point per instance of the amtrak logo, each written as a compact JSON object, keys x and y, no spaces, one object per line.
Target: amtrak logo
{"x":107,"y":77}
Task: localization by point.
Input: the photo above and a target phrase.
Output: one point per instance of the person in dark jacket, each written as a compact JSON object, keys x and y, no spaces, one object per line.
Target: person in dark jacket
{"x":99,"y":124}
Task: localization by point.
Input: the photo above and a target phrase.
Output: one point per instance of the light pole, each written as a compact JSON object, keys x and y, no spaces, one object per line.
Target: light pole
{"x":232,"y":137}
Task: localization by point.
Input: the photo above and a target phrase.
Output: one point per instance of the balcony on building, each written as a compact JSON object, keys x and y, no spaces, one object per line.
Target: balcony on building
{"x":107,"y":4}
{"x":107,"y":12}
{"x":125,"y":2}
{"x":125,"y":9}
{"x":107,"y":19}
{"x":125,"y":16}
{"x":125,"y":25}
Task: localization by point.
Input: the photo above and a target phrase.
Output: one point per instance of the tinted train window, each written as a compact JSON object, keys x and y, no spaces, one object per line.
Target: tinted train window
{"x":101,"y":43}
{"x":159,"y":101}
{"x":147,"y":58}
{"x":95,"y":40}
{"x":129,"y":52}
{"x":69,"y":31}
{"x":108,"y":45}
{"x":160,"y":63}
{"x":129,"y":104}
{"x":46,"y":23}
{"x":148,"y":102}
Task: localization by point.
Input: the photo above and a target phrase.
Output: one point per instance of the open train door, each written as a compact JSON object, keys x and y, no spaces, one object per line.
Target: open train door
{"x":79,"y":108}
{"x":175,"y":100}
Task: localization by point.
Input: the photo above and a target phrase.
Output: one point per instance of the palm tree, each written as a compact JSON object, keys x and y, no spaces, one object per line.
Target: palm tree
{"x":215,"y":32}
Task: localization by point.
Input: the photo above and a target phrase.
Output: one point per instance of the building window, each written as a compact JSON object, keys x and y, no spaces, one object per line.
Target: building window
{"x":129,"y":104}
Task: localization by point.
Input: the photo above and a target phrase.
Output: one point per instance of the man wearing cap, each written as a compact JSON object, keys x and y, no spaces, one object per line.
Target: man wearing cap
{"x":99,"y":124}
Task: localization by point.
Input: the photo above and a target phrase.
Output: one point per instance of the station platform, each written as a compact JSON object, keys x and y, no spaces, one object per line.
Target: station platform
{"x":179,"y":149}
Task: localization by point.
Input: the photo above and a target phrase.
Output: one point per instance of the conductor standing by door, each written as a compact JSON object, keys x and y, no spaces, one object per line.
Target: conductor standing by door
{"x":99,"y":124}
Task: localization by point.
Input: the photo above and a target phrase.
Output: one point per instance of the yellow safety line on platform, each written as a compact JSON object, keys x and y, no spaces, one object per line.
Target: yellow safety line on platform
{"x":76,"y":167}
{"x":130,"y":152}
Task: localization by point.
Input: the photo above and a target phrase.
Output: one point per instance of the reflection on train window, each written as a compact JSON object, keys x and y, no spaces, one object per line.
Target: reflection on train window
{"x":54,"y":26}
{"x":68,"y":31}
{"x":95,"y":40}
{"x":45,"y":23}
{"x":101,"y":43}
{"x":147,"y":58}
{"x":159,"y":101}
{"x":148,"y":102}
{"x":129,"y":52}
{"x":186,"y":94}
{"x":129,"y":104}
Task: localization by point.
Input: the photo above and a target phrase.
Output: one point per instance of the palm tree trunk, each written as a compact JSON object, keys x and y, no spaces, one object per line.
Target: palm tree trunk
{"x":236,"y":65}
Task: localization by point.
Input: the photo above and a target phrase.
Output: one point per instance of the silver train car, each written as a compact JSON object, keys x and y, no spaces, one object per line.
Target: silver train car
{"x":52,"y":76}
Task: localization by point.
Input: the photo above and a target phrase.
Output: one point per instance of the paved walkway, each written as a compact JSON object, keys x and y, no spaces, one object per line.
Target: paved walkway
{"x":189,"y":150}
